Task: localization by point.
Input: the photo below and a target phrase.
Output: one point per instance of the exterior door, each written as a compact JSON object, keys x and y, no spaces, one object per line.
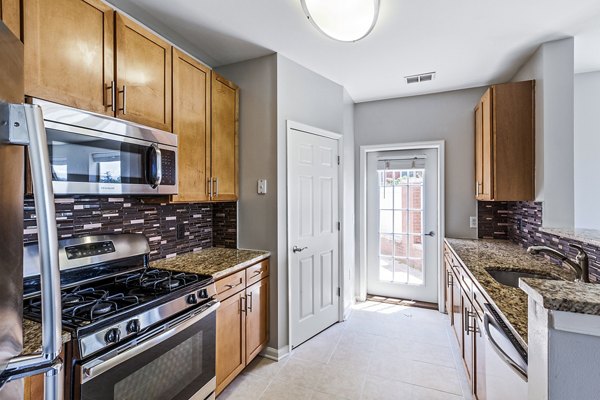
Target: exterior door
{"x":313,"y":233}
{"x":402,"y":214}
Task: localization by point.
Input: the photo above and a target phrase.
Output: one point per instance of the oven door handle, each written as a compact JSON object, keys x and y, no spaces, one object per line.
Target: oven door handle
{"x":489,"y":320}
{"x":98,"y":366}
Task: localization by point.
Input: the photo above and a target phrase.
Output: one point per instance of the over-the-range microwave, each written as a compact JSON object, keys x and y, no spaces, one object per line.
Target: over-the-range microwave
{"x":99,"y":155}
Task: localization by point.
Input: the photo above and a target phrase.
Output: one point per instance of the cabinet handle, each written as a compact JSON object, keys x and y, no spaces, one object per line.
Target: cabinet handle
{"x":243,"y":304}
{"x":209,"y":187}
{"x":476,"y":188}
{"x":124,"y":108}
{"x":257,"y":272}
{"x":232,"y":286}
{"x":449,"y":276}
{"x":216,"y":187}
{"x":468,"y":316}
{"x":113,"y":96}
{"x":250,"y":306}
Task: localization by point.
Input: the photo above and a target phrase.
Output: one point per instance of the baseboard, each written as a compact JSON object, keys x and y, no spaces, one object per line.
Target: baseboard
{"x":275,"y":354}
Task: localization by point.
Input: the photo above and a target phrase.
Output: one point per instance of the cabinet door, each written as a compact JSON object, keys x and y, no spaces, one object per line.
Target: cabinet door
{"x":487,"y":177}
{"x":468,"y":337}
{"x":231,"y":334}
{"x":69,"y":52}
{"x":224,"y":149}
{"x":191,"y":123}
{"x":10,"y":13}
{"x":257,"y":319}
{"x":478,"y":152}
{"x":479,"y":357}
{"x":457,"y":314}
{"x":448,"y":291}
{"x":143,"y":75}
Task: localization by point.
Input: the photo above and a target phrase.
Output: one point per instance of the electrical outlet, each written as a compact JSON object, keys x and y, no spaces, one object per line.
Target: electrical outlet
{"x":473,"y":222}
{"x":262,"y":186}
{"x":180,"y":231}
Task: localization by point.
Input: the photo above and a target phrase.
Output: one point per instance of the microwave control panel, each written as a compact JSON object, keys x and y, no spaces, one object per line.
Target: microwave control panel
{"x":169,"y":166}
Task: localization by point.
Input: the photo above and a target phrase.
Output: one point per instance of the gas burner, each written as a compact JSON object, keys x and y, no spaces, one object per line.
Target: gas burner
{"x":157,"y":281}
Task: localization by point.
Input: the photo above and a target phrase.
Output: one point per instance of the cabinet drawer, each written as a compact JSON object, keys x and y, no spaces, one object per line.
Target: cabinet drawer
{"x":231,"y":284}
{"x":257,"y":272}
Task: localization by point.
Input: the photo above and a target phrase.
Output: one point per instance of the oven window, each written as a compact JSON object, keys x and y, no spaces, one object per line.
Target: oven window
{"x":166,"y":375}
{"x":88,"y":159}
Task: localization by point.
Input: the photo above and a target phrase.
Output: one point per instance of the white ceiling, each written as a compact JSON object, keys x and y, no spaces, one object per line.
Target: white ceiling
{"x":467,"y":42}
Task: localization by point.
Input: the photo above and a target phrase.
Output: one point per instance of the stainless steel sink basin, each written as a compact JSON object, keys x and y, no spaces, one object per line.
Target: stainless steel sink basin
{"x":511,"y":278}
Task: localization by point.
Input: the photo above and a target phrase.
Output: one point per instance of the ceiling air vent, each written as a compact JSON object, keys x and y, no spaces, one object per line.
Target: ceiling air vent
{"x":426,"y":77}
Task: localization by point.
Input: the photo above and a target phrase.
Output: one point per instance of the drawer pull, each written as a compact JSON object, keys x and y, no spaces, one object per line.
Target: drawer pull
{"x":449,"y":277}
{"x":257,"y":272}
{"x":249,"y":306}
{"x":229,"y":286}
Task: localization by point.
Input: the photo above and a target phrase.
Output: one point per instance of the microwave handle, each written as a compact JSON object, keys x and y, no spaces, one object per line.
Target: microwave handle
{"x":24,"y":125}
{"x":154,"y":167}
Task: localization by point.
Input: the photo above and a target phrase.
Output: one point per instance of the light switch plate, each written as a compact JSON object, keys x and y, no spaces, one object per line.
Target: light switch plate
{"x":472,"y":222}
{"x":262,"y":186}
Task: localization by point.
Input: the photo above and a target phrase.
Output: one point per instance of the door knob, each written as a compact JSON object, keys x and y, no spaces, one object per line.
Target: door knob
{"x":431,"y":233}
{"x":297,"y":249}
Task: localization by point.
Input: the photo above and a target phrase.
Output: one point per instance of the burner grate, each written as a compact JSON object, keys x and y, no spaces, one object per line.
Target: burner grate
{"x":158,"y":281}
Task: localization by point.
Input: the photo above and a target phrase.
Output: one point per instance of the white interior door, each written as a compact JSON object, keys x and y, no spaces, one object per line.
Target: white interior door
{"x":402,"y":218}
{"x":313,"y":233}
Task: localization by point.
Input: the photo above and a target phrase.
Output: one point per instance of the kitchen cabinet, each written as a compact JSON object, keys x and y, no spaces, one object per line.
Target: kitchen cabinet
{"x":505,"y":143}
{"x":231,"y":334}
{"x":224,"y":139}
{"x":69,"y":52}
{"x":143,"y":71}
{"x":10,"y":14}
{"x":33,"y":387}
{"x":257,"y":318}
{"x":191,"y":124}
{"x":242,"y":320}
{"x":479,"y":386}
{"x":448,"y":290}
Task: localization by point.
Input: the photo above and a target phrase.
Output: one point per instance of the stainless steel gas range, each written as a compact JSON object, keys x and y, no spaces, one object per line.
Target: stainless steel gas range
{"x":138,"y":333}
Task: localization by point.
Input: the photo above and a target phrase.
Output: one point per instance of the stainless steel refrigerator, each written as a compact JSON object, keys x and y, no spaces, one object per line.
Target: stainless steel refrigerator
{"x":22,"y":125}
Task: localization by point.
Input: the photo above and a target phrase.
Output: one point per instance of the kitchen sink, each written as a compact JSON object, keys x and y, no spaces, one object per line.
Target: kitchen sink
{"x":511,"y":278}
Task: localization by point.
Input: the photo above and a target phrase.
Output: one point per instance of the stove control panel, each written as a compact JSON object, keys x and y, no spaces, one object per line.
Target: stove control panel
{"x":89,"y":250}
{"x":112,"y":336}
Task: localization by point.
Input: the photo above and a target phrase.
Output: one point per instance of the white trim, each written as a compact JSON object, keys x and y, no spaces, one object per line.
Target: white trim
{"x":362,"y":203}
{"x":275,"y":354}
{"x":584,"y":324}
{"x":297,"y":126}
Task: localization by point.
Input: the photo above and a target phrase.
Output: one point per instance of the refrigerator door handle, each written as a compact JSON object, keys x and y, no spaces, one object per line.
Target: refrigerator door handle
{"x":17,"y":116}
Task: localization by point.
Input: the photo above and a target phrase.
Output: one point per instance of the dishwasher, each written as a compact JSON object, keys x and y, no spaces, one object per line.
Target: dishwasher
{"x":505,"y":360}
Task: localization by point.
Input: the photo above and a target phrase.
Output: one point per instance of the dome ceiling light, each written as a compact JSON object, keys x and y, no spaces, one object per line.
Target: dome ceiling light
{"x":343,"y":20}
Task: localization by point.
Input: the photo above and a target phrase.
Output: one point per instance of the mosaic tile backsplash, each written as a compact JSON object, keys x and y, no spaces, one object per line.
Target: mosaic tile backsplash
{"x":520,"y":222}
{"x":170,"y":228}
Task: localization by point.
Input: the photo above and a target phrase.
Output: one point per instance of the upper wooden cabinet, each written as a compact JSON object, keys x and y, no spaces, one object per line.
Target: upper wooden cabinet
{"x":191,"y":124}
{"x":505,"y":143}
{"x":143,"y":65}
{"x":10,"y":14}
{"x":69,"y":52}
{"x":224,"y":140}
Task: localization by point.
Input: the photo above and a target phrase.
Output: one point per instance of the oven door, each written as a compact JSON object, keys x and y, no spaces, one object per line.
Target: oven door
{"x":84,"y":161}
{"x":175,"y":362}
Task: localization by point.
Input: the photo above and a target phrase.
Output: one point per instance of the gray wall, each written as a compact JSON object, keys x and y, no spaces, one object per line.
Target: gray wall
{"x":257,"y":219}
{"x":448,"y":116}
{"x":587,"y":146}
{"x":552,"y":67}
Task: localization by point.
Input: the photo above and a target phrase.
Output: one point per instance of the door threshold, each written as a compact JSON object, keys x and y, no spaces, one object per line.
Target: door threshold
{"x":402,"y":302}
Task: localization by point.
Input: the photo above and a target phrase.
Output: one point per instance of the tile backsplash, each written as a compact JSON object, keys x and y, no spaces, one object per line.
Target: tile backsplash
{"x":520,"y":222}
{"x":203,"y":224}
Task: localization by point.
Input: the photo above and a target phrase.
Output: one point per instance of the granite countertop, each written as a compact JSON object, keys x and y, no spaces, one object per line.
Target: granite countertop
{"x":214,"y":261}
{"x":477,"y":255}
{"x":32,"y":336}
{"x":575,"y":297}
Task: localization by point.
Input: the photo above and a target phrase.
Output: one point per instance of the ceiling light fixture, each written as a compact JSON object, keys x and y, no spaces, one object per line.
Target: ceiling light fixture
{"x":343,"y":20}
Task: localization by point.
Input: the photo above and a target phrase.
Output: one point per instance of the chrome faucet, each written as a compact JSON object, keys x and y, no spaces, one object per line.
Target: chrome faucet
{"x":580,"y":265}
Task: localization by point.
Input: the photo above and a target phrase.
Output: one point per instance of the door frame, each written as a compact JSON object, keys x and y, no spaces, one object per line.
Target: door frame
{"x":439,"y":145}
{"x":297,"y":126}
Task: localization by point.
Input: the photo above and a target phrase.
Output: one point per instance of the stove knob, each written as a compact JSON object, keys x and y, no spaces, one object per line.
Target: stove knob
{"x":133,"y":326}
{"x":192,"y":299}
{"x":203,"y":294}
{"x":112,"y":336}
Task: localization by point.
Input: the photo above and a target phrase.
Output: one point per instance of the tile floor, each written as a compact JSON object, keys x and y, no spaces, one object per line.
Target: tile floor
{"x":383,"y":351}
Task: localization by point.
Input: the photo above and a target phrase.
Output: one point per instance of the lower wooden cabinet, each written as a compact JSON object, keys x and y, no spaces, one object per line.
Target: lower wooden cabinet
{"x":465,"y":308}
{"x":242,"y":321}
{"x":34,"y":387}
